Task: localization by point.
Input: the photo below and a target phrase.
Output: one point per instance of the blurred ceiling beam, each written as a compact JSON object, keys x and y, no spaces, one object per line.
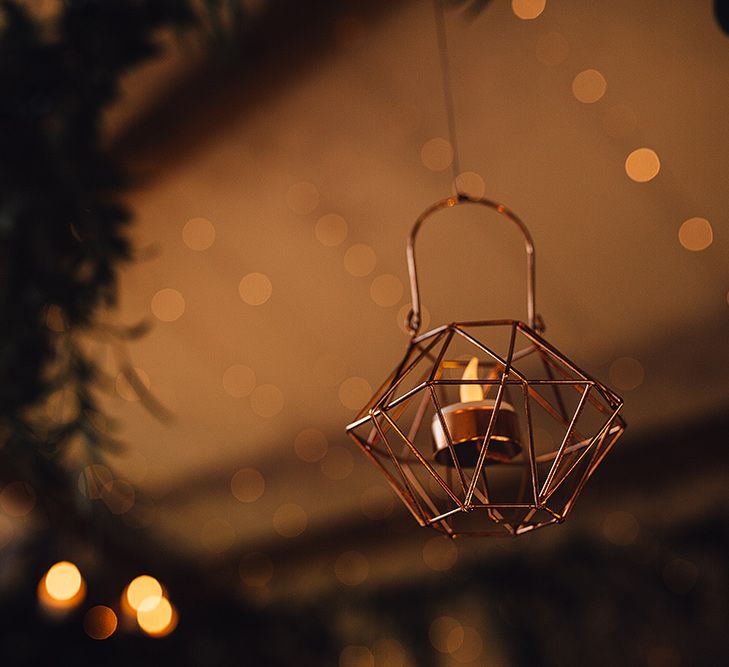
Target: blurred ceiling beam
{"x":670,"y":477}
{"x":282,"y":41}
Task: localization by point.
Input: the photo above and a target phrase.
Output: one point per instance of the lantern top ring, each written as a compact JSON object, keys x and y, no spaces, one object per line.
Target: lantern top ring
{"x":414,"y":317}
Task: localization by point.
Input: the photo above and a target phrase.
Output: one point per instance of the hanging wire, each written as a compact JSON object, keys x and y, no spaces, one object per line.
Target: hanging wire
{"x":440,"y":27}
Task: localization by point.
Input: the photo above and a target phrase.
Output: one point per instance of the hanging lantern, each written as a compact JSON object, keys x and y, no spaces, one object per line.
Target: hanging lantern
{"x":484,"y":428}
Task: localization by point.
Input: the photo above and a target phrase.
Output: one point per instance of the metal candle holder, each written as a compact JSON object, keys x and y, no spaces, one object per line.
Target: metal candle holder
{"x":515,"y":454}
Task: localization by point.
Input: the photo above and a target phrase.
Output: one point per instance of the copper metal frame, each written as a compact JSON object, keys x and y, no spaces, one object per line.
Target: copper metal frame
{"x":544,"y":482}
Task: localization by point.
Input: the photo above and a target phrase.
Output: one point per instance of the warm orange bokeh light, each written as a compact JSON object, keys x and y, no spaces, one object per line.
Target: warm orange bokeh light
{"x":63,"y":581}
{"x":159,"y":620}
{"x":696,"y":234}
{"x":100,"y":622}
{"x":642,"y":165}
{"x":144,"y":592}
{"x":589,"y":86}
{"x":528,"y":9}
{"x":61,"y":589}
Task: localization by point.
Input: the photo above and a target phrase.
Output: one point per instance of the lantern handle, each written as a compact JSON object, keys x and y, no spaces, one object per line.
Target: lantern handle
{"x":413,"y":320}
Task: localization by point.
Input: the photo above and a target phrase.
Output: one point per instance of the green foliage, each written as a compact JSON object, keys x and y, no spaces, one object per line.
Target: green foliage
{"x":62,"y":224}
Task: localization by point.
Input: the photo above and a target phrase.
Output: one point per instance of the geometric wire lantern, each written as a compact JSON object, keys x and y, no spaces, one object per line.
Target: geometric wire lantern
{"x":484,"y":428}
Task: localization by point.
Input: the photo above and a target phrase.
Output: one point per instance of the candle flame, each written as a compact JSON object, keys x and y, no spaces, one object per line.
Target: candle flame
{"x":471,"y":392}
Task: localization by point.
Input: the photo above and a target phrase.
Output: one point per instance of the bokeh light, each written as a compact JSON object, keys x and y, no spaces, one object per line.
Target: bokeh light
{"x":436,"y":154}
{"x":290,"y":520}
{"x":92,"y":479}
{"x":239,"y":380}
{"x":331,"y":230}
{"x":351,"y":568}
{"x":311,"y":445}
{"x":589,"y":86}
{"x":386,"y":290}
{"x":100,"y":622}
{"x":377,"y":503}
{"x":125,"y":389}
{"x":255,"y":289}
{"x":54,"y":607}
{"x":642,"y":165}
{"x":338,"y":463}
{"x":247,"y":485}
{"x":390,"y":653}
{"x":255,"y":570}
{"x":470,"y":183}
{"x":360,"y":260}
{"x":354,"y":392}
{"x":302,"y":198}
{"x":118,"y":495}
{"x":17,"y":499}
{"x":528,"y":9}
{"x":267,"y":400}
{"x":198,"y":234}
{"x":159,"y":620}
{"x":143,"y":592}
{"x":696,"y":234}
{"x":7,"y":531}
{"x":471,"y":645}
{"x":168,"y":305}
{"x":620,"y":528}
{"x":446,"y":634}
{"x":63,"y":581}
{"x":440,"y":553}
{"x":626,"y":373}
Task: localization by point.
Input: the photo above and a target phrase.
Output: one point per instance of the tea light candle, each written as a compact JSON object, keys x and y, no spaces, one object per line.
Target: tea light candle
{"x":467,"y":423}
